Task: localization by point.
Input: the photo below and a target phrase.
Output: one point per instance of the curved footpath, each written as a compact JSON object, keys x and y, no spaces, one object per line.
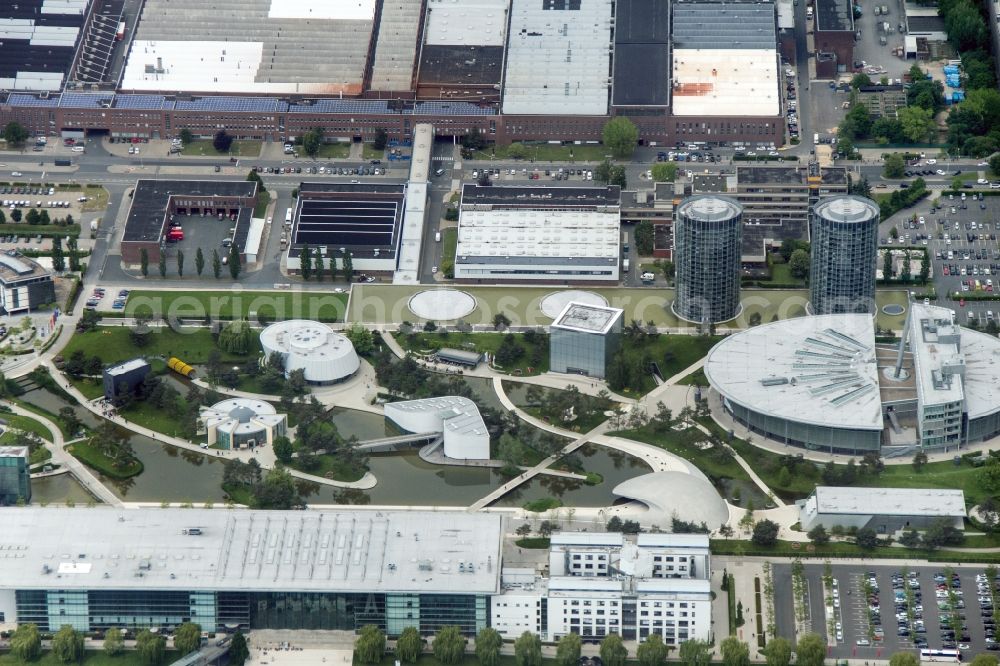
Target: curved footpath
{"x":65,"y":459}
{"x":265,"y":456}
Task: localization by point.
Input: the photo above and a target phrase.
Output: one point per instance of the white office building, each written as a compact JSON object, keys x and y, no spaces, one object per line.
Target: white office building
{"x":603,"y":583}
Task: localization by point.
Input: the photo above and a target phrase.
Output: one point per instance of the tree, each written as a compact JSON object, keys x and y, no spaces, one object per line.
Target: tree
{"x":644,"y":238}
{"x":904,"y":659}
{"x":381,"y":139}
{"x":734,"y":652}
{"x":693,"y":652}
{"x":180,"y":263}
{"x":199,"y":263}
{"x":362,"y":339}
{"x":568,"y":650}
{"x":409,"y":645}
{"x":894,"y":166}
{"x":144,"y":262}
{"x":919,"y":460}
{"x":765,"y":533}
{"x":234,"y":262}
{"x":238,"y":650}
{"x":305,"y":262}
{"x":187,"y":637}
{"x":319,"y":267}
{"x":163,"y":264}
{"x":26,"y":642}
{"x":778,"y":652}
{"x":664,"y":172}
{"x":185,"y":136}
{"x":237,"y":337}
{"x":71,"y":249}
{"x":818,"y":535}
{"x":114,"y":643}
{"x":222,"y":141}
{"x":620,"y":136}
{"x":216,"y":264}
{"x":866,"y":538}
{"x":810,"y":650}
{"x":58,"y":259}
{"x":613,"y":650}
{"x":14,"y":133}
{"x":348,"y":267}
{"x":150,"y":647}
{"x":488,"y":643}
{"x":67,"y":644}
{"x":276,"y":491}
{"x":528,"y":650}
{"x":652,"y":651}
{"x":15,"y":215}
{"x":917,"y":123}
{"x":282,"y":449}
{"x":312,"y":141}
{"x":369,"y":648}
{"x":798,"y":265}
{"x":860,"y":80}
{"x":910,"y":539}
{"x":995,"y":164}
{"x":449,"y":645}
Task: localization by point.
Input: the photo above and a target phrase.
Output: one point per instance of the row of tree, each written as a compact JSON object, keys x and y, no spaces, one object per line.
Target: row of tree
{"x":313,"y":264}
{"x":234,"y":262}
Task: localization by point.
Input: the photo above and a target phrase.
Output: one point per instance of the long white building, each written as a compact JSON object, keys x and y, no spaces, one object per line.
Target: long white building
{"x":602,"y":583}
{"x":538,"y":233}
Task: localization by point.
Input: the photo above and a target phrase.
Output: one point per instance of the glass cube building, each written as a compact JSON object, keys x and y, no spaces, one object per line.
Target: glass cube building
{"x":708,"y":232}
{"x":844,"y":236}
{"x":15,"y":475}
{"x":584,"y":339}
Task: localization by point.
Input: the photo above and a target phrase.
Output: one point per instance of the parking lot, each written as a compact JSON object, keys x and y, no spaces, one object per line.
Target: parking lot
{"x":961,"y":237}
{"x":205,"y":231}
{"x":885,"y":609}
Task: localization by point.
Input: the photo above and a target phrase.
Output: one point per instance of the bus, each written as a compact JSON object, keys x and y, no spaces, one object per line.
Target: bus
{"x":288,"y":216}
{"x":946,"y":656}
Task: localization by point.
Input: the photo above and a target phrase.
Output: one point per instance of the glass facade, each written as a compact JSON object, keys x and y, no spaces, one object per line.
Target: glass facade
{"x":708,"y":232}
{"x":88,"y":610}
{"x":15,"y":479}
{"x":844,"y":236}
{"x":583,"y":353}
{"x":806,"y":435}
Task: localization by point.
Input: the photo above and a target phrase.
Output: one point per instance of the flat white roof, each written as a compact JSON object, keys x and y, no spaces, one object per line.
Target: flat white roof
{"x":725,"y":82}
{"x":587,"y":318}
{"x":819,"y":370}
{"x":518,"y":234}
{"x":558,"y":59}
{"x":890,"y":501}
{"x":937,"y":344}
{"x":314,"y":551}
{"x":587,"y":539}
{"x":352,"y":10}
{"x":127,"y":366}
{"x":466,"y":22}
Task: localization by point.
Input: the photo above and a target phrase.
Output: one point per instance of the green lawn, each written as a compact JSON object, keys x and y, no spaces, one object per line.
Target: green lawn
{"x":94,"y":459}
{"x":842,"y":549}
{"x":449,"y":244}
{"x":263,"y":201}
{"x":229,"y":304}
{"x":154,"y":418}
{"x":330,"y":468}
{"x":338,"y":151}
{"x":782,"y":274}
{"x":545,"y":152}
{"x":113,"y":345}
{"x":90,"y":658}
{"x":370,"y":152}
{"x":237,"y":149}
{"x":97,"y":200}
{"x":45,"y":230}
{"x":25,"y":423}
{"x":90,"y":388}
{"x":42,"y":412}
{"x":481,"y":342}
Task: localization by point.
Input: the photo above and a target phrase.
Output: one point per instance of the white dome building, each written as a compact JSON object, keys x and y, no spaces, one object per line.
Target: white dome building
{"x":326,"y":356}
{"x":240,"y":423}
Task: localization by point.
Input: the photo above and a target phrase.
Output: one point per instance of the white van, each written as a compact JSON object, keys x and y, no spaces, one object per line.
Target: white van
{"x":816,"y":138}
{"x":439,"y":172}
{"x":437,"y":237}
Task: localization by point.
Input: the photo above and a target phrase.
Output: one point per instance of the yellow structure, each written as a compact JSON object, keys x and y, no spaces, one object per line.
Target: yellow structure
{"x":180,"y":367}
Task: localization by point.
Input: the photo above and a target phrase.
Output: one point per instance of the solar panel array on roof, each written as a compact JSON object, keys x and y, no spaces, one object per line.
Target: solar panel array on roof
{"x":720,"y":25}
{"x":37,"y":42}
{"x":244,"y":104}
{"x":338,"y":223}
{"x":73,"y":100}
{"x":153,"y":102}
{"x":26,"y":100}
{"x":451,"y":109}
{"x":341,"y":106}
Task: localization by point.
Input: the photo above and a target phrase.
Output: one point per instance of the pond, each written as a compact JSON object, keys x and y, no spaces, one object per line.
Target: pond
{"x":59,"y":489}
{"x":173,"y":474}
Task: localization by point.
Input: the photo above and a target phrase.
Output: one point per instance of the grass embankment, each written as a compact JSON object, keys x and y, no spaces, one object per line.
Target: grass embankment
{"x":112,"y":345}
{"x":533,"y":542}
{"x":270,"y":305}
{"x":97,"y":200}
{"x":483,"y":342}
{"x":23,"y":423}
{"x":544,"y":152}
{"x":449,"y":245}
{"x":841,"y":550}
{"x":96,"y":460}
{"x":782,"y":274}
{"x":370,"y":152}
{"x":542,"y":504}
{"x":204,"y":147}
{"x":263,"y":201}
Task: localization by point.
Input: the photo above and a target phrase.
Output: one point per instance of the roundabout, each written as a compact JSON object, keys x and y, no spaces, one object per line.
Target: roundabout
{"x":554,"y":303}
{"x":442,"y":304}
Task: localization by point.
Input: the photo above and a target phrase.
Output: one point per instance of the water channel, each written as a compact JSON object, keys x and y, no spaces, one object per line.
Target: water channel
{"x":178,"y":475}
